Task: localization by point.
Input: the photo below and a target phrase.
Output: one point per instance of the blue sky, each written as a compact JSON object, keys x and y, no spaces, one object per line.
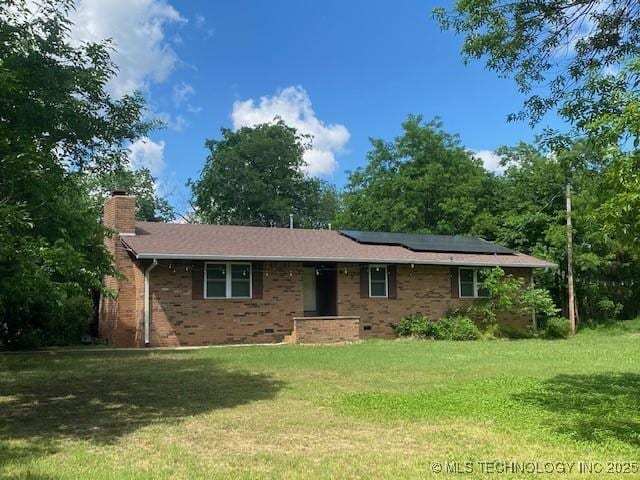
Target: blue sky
{"x":344,"y":71}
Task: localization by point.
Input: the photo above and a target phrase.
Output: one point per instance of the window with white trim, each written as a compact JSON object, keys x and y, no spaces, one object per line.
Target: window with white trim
{"x":470,"y":283}
{"x":227,"y":280}
{"x":378,"y":282}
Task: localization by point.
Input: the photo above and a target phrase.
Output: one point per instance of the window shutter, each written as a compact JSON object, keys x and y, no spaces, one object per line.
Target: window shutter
{"x":455,"y":293}
{"x":392,"y":271}
{"x":197,"y":280}
{"x":364,"y":281}
{"x":257,"y":279}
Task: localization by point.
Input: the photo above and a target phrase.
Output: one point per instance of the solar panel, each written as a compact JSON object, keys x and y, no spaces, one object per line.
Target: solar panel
{"x":427,"y":243}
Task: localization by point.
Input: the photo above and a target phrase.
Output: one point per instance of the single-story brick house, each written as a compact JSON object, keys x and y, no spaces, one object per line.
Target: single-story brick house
{"x":214,"y":284}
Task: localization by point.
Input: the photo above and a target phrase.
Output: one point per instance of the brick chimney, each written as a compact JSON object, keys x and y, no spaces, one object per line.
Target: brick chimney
{"x":120,"y":212}
{"x":119,"y":319}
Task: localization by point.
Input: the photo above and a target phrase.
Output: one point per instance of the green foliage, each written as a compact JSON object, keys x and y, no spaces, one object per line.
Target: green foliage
{"x":416,"y":325}
{"x":58,"y":125}
{"x":150,"y":206}
{"x":607,"y":109}
{"x":509,"y":294}
{"x":606,"y":112}
{"x":513,"y":332}
{"x":607,"y":326}
{"x":607,"y":308}
{"x":556,"y":328}
{"x":456,"y":327}
{"x":523,"y":209}
{"x":586,"y":57}
{"x":253,"y":176}
{"x":532,"y":220}
{"x":66,"y":324}
{"x":422,"y":181}
{"x":551,"y":43}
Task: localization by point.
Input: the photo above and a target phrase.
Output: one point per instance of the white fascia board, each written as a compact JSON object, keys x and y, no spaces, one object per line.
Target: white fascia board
{"x":166,"y":256}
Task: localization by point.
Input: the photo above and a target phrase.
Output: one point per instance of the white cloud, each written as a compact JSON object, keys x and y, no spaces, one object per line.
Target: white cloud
{"x":490,"y":159}
{"x":145,"y":153}
{"x":200,"y":23}
{"x":137,"y":29}
{"x":182,"y":92}
{"x":293,"y":105}
{"x":177,"y":123}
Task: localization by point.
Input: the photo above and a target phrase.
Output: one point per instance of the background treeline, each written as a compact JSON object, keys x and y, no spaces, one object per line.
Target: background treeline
{"x":64,"y":145}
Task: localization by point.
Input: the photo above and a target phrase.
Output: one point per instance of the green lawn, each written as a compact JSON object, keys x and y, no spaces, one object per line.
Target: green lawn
{"x":380,"y":409}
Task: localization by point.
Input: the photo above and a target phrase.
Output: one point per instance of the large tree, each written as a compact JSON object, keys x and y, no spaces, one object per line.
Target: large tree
{"x":254,"y":176}
{"x":580,"y":58}
{"x":150,"y":205}
{"x":57,"y":124}
{"x":531,"y":217}
{"x":607,"y":112}
{"x":422,"y":181}
{"x":554,"y":44}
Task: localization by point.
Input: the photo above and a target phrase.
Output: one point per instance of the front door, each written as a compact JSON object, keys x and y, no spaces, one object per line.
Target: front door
{"x":309,"y":292}
{"x":319,"y":290}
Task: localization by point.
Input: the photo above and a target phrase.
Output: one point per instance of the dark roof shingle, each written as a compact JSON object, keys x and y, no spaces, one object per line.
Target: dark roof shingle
{"x":229,"y":242}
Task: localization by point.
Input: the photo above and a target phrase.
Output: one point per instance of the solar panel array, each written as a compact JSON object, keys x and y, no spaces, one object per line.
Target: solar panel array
{"x":427,"y":243}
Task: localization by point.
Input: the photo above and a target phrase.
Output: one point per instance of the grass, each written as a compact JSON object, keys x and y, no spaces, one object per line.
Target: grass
{"x":379,"y":409}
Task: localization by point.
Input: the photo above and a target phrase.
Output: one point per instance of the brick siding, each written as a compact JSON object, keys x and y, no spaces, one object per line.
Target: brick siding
{"x":178,"y":319}
{"x":422,"y":289}
{"x":326,"y":330}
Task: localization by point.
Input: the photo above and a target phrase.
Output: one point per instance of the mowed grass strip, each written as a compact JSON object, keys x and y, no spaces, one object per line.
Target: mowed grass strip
{"x":384,"y":409}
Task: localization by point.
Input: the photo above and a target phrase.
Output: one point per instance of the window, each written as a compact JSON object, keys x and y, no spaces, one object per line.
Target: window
{"x":216,"y":280}
{"x":378,"y":281}
{"x":470,"y":280}
{"x":467,"y":282}
{"x":227,"y":280}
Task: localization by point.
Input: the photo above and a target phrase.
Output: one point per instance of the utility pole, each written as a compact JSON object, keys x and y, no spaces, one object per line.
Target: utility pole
{"x":572,"y":295}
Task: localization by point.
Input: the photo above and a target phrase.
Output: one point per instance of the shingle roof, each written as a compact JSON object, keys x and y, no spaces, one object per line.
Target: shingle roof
{"x":229,"y":242}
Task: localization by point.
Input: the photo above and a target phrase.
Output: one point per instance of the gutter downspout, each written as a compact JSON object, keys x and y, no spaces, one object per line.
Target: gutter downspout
{"x":147,"y":306}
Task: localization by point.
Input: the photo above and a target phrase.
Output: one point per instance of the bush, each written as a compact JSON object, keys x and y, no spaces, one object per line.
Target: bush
{"x":59,"y":324}
{"x":416,"y":325}
{"x":459,"y":327}
{"x":455,"y":327}
{"x":403,"y":327}
{"x":70,"y":323}
{"x":606,"y":308}
{"x":557,"y":328}
{"x":514,"y":333}
{"x":510,"y":294}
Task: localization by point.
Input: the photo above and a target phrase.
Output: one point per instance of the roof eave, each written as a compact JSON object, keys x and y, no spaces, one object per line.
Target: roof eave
{"x":170,"y":256}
